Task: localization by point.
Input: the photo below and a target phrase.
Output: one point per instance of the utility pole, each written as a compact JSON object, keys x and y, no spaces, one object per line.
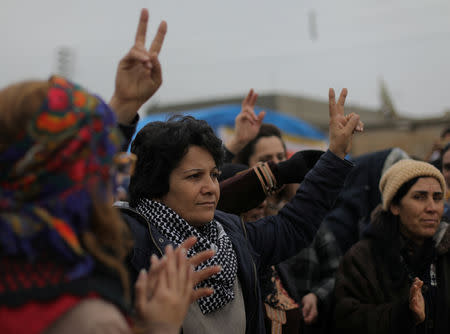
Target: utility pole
{"x":387,"y":105}
{"x":65,"y":61}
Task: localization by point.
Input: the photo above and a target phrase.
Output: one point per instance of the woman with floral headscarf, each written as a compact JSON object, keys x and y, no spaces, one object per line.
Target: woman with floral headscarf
{"x":62,"y":245}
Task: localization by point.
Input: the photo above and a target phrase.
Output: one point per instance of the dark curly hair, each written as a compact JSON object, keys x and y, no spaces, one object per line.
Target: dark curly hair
{"x":266,"y":130}
{"x":160,"y":146}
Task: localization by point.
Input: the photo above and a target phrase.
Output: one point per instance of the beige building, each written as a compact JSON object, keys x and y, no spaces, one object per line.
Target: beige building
{"x":415,"y":136}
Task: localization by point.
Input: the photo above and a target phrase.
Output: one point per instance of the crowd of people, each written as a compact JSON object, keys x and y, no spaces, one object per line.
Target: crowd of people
{"x":189,"y":234}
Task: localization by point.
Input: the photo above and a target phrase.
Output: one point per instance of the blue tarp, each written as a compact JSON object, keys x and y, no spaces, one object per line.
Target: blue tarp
{"x":224,"y":115}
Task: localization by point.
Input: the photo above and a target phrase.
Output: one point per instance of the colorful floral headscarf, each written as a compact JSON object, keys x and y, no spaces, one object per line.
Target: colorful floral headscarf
{"x":49,"y":173}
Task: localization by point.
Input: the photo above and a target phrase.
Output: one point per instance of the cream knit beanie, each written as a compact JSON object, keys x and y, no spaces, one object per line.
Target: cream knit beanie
{"x":403,"y":171}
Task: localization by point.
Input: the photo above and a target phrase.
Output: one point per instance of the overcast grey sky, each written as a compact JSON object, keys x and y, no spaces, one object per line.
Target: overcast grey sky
{"x":222,"y":48}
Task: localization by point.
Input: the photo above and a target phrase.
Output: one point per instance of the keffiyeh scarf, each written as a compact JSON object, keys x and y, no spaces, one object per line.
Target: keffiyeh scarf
{"x":209,"y":236}
{"x":49,"y":172}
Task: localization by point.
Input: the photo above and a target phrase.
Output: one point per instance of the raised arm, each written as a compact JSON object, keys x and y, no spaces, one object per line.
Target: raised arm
{"x":278,"y":237}
{"x":248,"y":189}
{"x":139,"y":73}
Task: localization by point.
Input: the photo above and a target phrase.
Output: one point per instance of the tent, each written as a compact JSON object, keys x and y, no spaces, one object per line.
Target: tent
{"x":297,"y":134}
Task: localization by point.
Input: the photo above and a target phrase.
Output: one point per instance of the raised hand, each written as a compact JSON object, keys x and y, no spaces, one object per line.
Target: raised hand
{"x":246,"y":124}
{"x":139,"y":73}
{"x":416,"y":301}
{"x":342,"y":126}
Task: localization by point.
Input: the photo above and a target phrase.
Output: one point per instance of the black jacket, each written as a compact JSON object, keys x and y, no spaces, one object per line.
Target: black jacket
{"x":359,"y":196}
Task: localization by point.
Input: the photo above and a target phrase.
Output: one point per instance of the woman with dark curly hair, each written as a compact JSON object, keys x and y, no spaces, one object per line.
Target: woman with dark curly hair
{"x":174,"y":192}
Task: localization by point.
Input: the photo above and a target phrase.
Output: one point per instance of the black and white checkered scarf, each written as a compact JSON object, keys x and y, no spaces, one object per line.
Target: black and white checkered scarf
{"x":209,"y":236}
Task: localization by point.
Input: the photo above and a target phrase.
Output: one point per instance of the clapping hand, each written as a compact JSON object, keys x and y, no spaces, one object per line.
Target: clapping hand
{"x":139,"y":73}
{"x":416,"y":301}
{"x":163,"y":295}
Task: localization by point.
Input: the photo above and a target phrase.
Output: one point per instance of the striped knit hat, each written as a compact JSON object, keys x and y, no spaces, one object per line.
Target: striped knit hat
{"x":403,"y":171}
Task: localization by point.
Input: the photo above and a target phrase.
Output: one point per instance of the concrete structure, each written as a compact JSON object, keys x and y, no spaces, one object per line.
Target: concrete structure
{"x":415,"y":136}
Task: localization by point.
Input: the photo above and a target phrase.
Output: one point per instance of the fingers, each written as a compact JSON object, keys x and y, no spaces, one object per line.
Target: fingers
{"x":205,"y":273}
{"x":182,"y":269}
{"x":247,"y":98}
{"x":253,"y":99}
{"x":141,"y":32}
{"x":331,"y":102}
{"x":142,"y":28}
{"x":416,"y":289}
{"x":139,"y":55}
{"x":200,"y":293}
{"x":306,"y":310}
{"x":201,"y":257}
{"x":309,"y":318}
{"x":359,"y":127}
{"x":158,"y":41}
{"x":155,"y":268}
{"x":418,"y":284}
{"x":171,"y":267}
{"x":341,"y":101}
{"x":352,"y":124}
{"x":339,"y":108}
{"x":156,"y":68}
{"x":249,"y":115}
{"x":189,"y":282}
{"x":141,"y":291}
{"x":188,"y":243}
{"x":261,"y":116}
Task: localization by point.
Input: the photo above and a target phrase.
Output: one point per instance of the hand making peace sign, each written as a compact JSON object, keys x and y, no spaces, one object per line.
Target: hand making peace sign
{"x":139,"y":73}
{"x":247,"y":124}
{"x":342,"y":126}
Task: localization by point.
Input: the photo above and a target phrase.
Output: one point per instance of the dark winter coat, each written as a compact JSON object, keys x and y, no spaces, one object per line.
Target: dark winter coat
{"x":360,"y":195}
{"x":370,"y":300}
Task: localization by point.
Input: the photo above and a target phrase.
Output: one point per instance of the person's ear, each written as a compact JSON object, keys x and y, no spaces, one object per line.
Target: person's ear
{"x":395,"y":210}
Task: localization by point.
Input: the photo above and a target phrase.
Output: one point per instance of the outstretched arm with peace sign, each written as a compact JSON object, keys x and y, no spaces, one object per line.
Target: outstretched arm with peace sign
{"x":139,"y":73}
{"x":342,"y":127}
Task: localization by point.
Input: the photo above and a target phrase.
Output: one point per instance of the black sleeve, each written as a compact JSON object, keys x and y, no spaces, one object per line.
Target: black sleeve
{"x":228,"y":156}
{"x":128,"y":132}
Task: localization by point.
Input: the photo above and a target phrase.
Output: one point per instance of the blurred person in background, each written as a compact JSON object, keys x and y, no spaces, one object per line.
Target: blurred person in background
{"x":435,"y":155}
{"x":296,"y":289}
{"x":308,"y":277}
{"x":268,"y":144}
{"x":62,"y":245}
{"x":445,"y":163}
{"x":284,"y":287}
{"x":350,"y":215}
{"x":125,"y":164}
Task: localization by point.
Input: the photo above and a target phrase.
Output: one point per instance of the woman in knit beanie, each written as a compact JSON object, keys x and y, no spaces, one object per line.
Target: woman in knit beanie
{"x":394,"y":279}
